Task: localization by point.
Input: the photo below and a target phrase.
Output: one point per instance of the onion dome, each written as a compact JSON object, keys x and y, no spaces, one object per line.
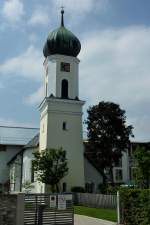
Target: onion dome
{"x":62,"y":41}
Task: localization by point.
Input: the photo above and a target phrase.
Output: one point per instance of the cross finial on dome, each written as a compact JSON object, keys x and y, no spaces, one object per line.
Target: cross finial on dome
{"x":62,"y":16}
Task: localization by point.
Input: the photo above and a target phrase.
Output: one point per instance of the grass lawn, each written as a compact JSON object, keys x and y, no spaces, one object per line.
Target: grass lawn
{"x":106,"y":214}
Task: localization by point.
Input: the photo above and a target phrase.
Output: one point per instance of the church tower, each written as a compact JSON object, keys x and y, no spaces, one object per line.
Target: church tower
{"x":61,"y":109}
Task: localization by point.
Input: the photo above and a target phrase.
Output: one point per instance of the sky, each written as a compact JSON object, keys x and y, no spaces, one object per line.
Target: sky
{"x":115,"y":56}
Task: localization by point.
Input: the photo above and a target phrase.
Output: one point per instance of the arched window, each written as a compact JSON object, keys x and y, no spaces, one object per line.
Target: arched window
{"x":64,"y":187}
{"x":64,"y":126}
{"x":64,"y":89}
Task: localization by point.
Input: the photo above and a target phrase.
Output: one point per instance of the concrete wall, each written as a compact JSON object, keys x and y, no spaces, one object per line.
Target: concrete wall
{"x":12,"y":209}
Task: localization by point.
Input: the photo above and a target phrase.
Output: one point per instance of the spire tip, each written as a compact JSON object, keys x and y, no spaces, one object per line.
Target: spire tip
{"x":62,"y":16}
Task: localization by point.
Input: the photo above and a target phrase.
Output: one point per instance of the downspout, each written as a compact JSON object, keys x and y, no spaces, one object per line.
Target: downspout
{"x":21,"y":175}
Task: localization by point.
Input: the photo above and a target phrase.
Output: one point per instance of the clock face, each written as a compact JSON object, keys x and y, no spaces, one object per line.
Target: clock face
{"x":65,"y":67}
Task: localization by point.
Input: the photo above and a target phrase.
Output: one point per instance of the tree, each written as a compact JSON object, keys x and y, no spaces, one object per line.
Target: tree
{"x":108,"y":136}
{"x":51,"y":167}
{"x":142,"y":159}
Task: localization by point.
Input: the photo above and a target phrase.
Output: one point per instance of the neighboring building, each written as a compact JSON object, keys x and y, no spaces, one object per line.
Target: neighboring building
{"x":12,"y":139}
{"x":21,"y":169}
{"x":121,"y":170}
{"x":131,"y":160}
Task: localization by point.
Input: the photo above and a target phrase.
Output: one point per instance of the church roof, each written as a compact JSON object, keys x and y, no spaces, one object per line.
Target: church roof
{"x":33,"y":143}
{"x":16,"y":135}
{"x":62,"y":41}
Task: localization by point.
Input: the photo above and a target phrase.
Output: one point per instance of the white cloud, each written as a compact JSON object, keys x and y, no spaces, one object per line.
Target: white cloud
{"x":28,"y":64}
{"x":115,"y":67}
{"x":36,"y":97}
{"x":14,"y":123}
{"x":39,"y":17}
{"x":79,"y":9}
{"x":33,"y":38}
{"x":13,"y":10}
{"x":81,"y":6}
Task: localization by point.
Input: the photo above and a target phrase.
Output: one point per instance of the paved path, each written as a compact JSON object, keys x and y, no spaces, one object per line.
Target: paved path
{"x":85,"y":220}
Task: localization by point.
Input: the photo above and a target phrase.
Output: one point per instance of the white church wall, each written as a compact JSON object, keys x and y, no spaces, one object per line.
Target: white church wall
{"x":68,"y":111}
{"x":15,"y":174}
{"x":28,"y":157}
{"x":5,"y":157}
{"x":43,"y":130}
{"x":57,"y":111}
{"x":51,"y":78}
{"x":92,"y":175}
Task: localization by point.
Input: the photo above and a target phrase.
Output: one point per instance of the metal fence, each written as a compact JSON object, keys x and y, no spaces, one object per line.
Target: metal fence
{"x":96,"y":200}
{"x":46,"y":209}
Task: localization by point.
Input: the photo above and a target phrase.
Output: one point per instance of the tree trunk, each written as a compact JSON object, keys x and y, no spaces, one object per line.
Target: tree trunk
{"x":53,"y":188}
{"x":111,"y":175}
{"x":57,"y":188}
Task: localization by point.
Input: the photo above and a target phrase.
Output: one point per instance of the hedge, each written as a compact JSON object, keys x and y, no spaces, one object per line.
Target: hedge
{"x":135,"y":206}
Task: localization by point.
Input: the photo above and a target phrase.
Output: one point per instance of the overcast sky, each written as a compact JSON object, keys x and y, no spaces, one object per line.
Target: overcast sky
{"x":115,"y":56}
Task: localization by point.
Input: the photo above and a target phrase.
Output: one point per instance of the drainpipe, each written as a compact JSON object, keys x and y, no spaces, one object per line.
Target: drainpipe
{"x":21,"y":175}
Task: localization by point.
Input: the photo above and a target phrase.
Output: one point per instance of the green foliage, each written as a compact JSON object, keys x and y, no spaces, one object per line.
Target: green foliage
{"x":142,"y":157}
{"x":135,"y":206}
{"x":78,"y":189}
{"x":106,"y":214}
{"x":108,"y":135}
{"x":102,"y":188}
{"x":112,"y":189}
{"x":27,"y":186}
{"x":51,"y":167}
{"x":108,"y":189}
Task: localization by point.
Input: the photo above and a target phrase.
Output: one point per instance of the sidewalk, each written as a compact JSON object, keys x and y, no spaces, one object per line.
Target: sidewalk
{"x":85,"y":220}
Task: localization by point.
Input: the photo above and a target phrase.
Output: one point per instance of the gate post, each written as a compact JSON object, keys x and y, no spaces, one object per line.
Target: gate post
{"x":118,"y":208}
{"x":40,"y":214}
{"x":20,"y":209}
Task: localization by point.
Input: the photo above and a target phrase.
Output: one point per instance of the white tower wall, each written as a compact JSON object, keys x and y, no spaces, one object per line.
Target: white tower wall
{"x":55,"y":111}
{"x":54,"y":75}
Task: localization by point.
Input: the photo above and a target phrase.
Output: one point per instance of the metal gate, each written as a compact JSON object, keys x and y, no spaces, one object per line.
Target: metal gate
{"x":48,"y":209}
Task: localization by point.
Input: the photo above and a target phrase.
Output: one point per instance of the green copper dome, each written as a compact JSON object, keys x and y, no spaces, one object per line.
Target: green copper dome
{"x":62,"y":41}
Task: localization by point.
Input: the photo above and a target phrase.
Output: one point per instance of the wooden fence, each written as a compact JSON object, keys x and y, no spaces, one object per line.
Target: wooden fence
{"x":96,"y":200}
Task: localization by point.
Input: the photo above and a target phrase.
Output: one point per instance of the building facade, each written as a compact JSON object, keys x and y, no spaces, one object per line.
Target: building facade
{"x":12,"y":140}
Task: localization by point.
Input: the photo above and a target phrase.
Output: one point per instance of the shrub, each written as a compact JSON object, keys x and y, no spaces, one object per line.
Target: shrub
{"x":78,"y":189}
{"x":112,"y":189}
{"x":135,"y":206}
{"x":102,"y":188}
{"x":108,"y":189}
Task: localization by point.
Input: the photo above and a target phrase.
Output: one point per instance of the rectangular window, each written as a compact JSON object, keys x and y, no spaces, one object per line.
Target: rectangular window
{"x":64,"y":126}
{"x":65,"y":67}
{"x":119,"y":163}
{"x":118,"y":174}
